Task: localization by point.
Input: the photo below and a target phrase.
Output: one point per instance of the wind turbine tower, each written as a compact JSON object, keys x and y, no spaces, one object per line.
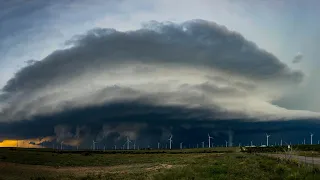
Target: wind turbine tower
{"x":311,"y":135}
{"x":181,"y":145}
{"x":94,"y":145}
{"x":128,"y":143}
{"x":158,"y":145}
{"x":226,"y":143}
{"x":209,"y":138}
{"x":202,"y":144}
{"x":61,"y":144}
{"x":170,"y":141}
{"x":267,"y":135}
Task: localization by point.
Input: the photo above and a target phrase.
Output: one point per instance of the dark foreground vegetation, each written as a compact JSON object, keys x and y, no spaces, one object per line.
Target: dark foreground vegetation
{"x":47,"y":165}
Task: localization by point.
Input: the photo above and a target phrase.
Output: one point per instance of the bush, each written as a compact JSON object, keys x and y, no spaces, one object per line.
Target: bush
{"x":38,"y":178}
{"x":3,"y":157}
{"x":86,"y":153}
{"x":281,"y":169}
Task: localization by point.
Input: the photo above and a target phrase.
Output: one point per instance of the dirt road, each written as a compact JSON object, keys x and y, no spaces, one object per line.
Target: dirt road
{"x":302,"y":159}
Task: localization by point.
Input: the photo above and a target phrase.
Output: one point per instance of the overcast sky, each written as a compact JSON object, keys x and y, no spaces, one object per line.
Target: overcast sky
{"x":212,"y":59}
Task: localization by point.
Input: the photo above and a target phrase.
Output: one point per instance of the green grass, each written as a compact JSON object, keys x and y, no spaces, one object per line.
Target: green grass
{"x":88,"y":158}
{"x":169,"y":166}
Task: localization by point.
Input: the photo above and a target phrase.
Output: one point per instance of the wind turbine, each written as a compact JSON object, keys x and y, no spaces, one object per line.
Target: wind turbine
{"x":94,"y":145}
{"x":226,"y":143}
{"x":251,"y":144}
{"x":128,"y":143}
{"x":202,"y":144}
{"x":170,"y":141}
{"x":304,"y":141}
{"x":311,"y":135}
{"x":134,"y":145}
{"x":61,"y":144}
{"x":181,"y":145}
{"x":267,"y":135}
{"x":281,"y":142}
{"x":115,"y":147}
{"x":158,"y":145}
{"x":209,"y":137}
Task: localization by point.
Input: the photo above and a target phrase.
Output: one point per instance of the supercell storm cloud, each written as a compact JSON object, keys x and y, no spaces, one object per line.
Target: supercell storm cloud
{"x":161,"y":79}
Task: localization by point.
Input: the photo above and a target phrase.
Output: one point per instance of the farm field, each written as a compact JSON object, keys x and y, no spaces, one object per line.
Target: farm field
{"x":42,"y":164}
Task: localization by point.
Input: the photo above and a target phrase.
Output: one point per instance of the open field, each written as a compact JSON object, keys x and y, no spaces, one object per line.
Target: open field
{"x":188,"y":164}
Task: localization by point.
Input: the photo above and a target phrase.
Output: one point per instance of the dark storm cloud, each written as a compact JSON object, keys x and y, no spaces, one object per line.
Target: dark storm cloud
{"x":177,"y":89}
{"x":110,"y":124}
{"x":192,"y":43}
{"x":18,"y":17}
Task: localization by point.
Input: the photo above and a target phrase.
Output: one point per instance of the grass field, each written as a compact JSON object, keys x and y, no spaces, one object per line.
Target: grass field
{"x":42,"y":164}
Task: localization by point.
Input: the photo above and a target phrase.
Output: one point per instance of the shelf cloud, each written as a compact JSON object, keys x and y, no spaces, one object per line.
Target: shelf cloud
{"x":191,"y":71}
{"x":195,"y":63}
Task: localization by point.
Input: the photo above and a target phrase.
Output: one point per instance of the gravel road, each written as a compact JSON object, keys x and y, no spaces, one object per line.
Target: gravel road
{"x":302,"y":159}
